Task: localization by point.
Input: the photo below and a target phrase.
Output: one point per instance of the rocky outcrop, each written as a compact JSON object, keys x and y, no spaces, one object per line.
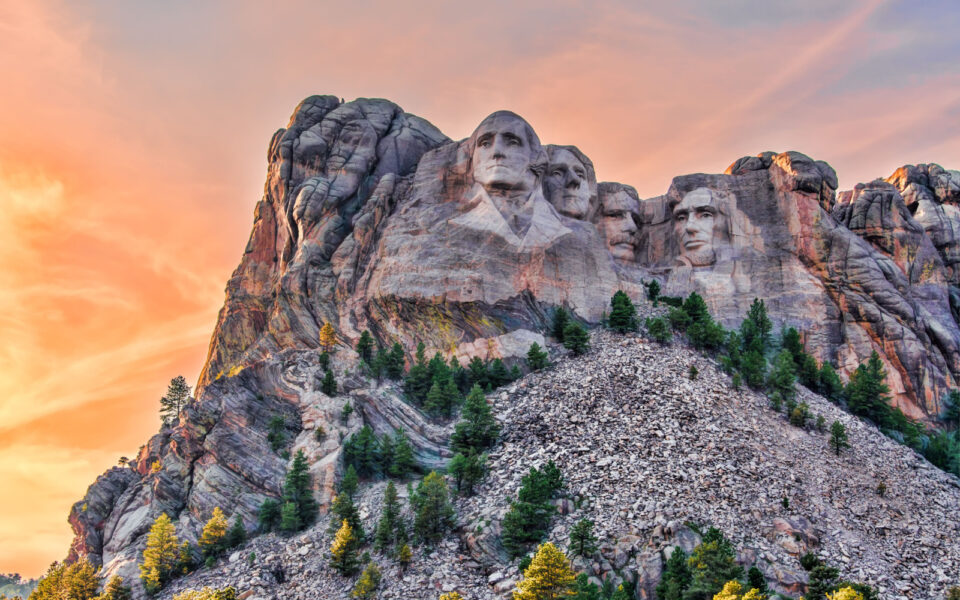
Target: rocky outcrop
{"x":372,"y":219}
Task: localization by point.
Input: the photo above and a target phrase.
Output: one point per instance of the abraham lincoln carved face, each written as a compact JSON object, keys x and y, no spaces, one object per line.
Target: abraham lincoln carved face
{"x":698,"y":224}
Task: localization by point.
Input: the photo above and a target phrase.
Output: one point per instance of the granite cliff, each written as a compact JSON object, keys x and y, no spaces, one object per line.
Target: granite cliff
{"x":372,"y":219}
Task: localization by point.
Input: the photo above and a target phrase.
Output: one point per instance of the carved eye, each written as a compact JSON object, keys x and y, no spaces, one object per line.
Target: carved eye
{"x":579,"y":173}
{"x":558,"y":173}
{"x":484,"y":143}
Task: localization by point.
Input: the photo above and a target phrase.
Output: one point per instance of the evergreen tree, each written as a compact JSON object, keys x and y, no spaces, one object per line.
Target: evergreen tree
{"x":350,"y":481}
{"x":951,"y":410}
{"x":461,"y":377}
{"x":696,"y":309}
{"x":676,"y":576}
{"x":478,"y":372}
{"x":755,"y":329}
{"x":343,"y":509}
{"x":658,"y":329}
{"x":178,"y":392}
{"x":468,"y":470}
{"x":237,"y":534}
{"x":365,"y":347}
{"x":443,"y":396}
{"x":846,"y":593}
{"x":559,"y":323}
{"x":679,"y":319}
{"x":515,"y":373}
{"x":623,"y":314}
{"x":269,"y":515}
{"x":404,"y":557}
{"x":822,"y":580}
{"x":329,"y":385}
{"x":362,"y":450}
{"x":116,"y":590}
{"x":396,"y":363}
{"x":390,"y":529}
{"x":867,"y":394}
{"x":211,"y":540}
{"x":529,"y":516}
{"x":830,"y":385}
{"x":754,"y":369}
{"x":297,"y":489}
{"x":498,"y":373}
{"x":276,"y":433}
{"x":478,"y":430}
{"x":380,"y":363}
{"x":756,"y":580}
{"x":404,"y":462}
{"x":438,"y":368}
{"x":367,"y":584}
{"x":782,"y":378}
{"x":732,"y":359}
{"x":346,"y":412}
{"x":161,"y":556}
{"x":432,"y":509}
{"x":808,"y":372}
{"x":324,"y":360}
{"x":653,"y":291}
{"x":838,"y":437}
{"x":328,"y":337}
{"x":343,"y":551}
{"x":584,"y":590}
{"x":549,"y":576}
{"x":582,"y":541}
{"x":290,"y":518}
{"x":576,"y":339}
{"x":417,"y":383}
{"x":712,"y":564}
{"x":77,"y":581}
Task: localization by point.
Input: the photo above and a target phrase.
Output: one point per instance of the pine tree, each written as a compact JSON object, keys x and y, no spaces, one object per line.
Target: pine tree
{"x":830,"y":385}
{"x":343,"y":509}
{"x":549,"y":576}
{"x":754,"y":369}
{"x":343,"y":551}
{"x":696,"y":309}
{"x":782,"y":377}
{"x":498,"y":373}
{"x":77,"y":581}
{"x":515,"y":373}
{"x":365,"y":347}
{"x":867,"y":392}
{"x":324,"y":360}
{"x":653,"y":291}
{"x":396,"y":364}
{"x":732,"y":590}
{"x":350,"y":481}
{"x":328,"y":337}
{"x":676,"y":576}
{"x":116,"y":590}
{"x":390,"y":529}
{"x":478,"y":372}
{"x":432,"y":509}
{"x":576,"y":339}
{"x":658,"y":329}
{"x":362,"y":451}
{"x":951,"y":410}
{"x":712,"y":564}
{"x":478,"y":430}
{"x":756,"y":580}
{"x":290,"y":518}
{"x":367,"y":584}
{"x":846,"y":593}
{"x":838,"y":437}
{"x":823,"y":579}
{"x":276,"y":433}
{"x":404,"y":462}
{"x":269,"y":515}
{"x":161,"y":556}
{"x":529,"y":516}
{"x":237,"y":534}
{"x":211,"y":541}
{"x":329,"y":385}
{"x":178,"y":392}
{"x":536,"y":358}
{"x":559,"y":324}
{"x":468,"y":470}
{"x":808,"y":372}
{"x":623,"y":314}
{"x":582,"y":541}
{"x":404,"y":556}
{"x":297,"y":489}
{"x":756,"y":328}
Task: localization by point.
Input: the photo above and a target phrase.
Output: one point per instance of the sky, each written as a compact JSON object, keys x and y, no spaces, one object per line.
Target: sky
{"x":133,"y":139}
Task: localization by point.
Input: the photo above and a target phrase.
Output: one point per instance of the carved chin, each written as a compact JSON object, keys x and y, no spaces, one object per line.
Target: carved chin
{"x":623,"y":252}
{"x":702,"y":257}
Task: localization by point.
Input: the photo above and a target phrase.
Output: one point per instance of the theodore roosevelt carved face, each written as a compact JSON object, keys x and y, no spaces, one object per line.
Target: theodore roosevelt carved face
{"x":617,"y":221}
{"x":698,"y":224}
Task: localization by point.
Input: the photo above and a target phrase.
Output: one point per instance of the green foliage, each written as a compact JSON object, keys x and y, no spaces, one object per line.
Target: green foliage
{"x":276,"y":433}
{"x":208,"y":593}
{"x":350,"y":481}
{"x":676,"y":576}
{"x":951,"y":410}
{"x":417,"y":383}
{"x":478,"y":430}
{"x":343,"y":510}
{"x":756,"y":580}
{"x":478,"y":372}
{"x":269,"y":515}
{"x":403,"y":462}
{"x":290,"y":518}
{"x":673,"y":301}
{"x":658,"y":329}
{"x":329,"y":384}
{"x":537,"y":358}
{"x":116,"y":590}
{"x":693,"y":372}
{"x":343,"y":551}
{"x":391,"y":531}
{"x":365,"y":347}
{"x":367,"y":584}
{"x":443,"y":396}
{"x":404,"y":556}
{"x":653,"y":291}
{"x":529,"y":516}
{"x":679,"y":319}
{"x":468,"y":470}
{"x":867,"y":393}
{"x":178,"y":392}
{"x":754,"y":369}
{"x":362,"y":451}
{"x":582,"y":541}
{"x":394,"y":362}
{"x":755,"y":329}
{"x":432,"y":509}
{"x":584,"y":590}
{"x":559,"y":323}
{"x":576,"y":339}
{"x":823,"y":579}
{"x":623,"y":314}
{"x":830,"y":385}
{"x":782,"y":377}
{"x":324,"y":360}
{"x":515,"y":373}
{"x":838,"y":437}
{"x":297,"y":491}
{"x":712,"y":564}
{"x":237,"y":534}
{"x":77,"y":581}
{"x":212,"y":540}
{"x":800,"y":414}
{"x":498,"y":373}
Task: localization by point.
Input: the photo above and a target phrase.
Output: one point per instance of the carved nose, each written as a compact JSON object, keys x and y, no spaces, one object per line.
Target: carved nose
{"x":573,"y":182}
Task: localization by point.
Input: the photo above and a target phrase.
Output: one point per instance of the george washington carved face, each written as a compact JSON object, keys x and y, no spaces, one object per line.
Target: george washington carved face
{"x":698,"y":224}
{"x":504,"y":148}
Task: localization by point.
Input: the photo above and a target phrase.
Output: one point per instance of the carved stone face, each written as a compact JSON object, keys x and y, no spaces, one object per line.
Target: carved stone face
{"x":566,"y":184}
{"x":696,"y":223}
{"x":502,"y":154}
{"x":619,"y":214}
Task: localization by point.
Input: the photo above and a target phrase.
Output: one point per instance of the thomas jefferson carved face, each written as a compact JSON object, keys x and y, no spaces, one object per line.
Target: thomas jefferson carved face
{"x":617,"y":222}
{"x":567,"y":185}
{"x":503,"y":151}
{"x":697,"y":222}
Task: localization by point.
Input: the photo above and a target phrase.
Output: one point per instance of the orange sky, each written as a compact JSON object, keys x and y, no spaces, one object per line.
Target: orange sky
{"x":133,"y":139}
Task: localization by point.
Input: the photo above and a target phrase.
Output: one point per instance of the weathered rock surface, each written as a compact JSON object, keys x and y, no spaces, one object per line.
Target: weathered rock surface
{"x":373,"y":219}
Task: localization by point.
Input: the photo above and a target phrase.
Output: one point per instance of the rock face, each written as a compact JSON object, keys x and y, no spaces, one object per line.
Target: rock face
{"x":372,"y":219}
